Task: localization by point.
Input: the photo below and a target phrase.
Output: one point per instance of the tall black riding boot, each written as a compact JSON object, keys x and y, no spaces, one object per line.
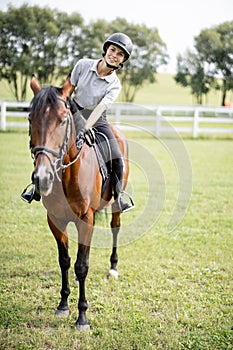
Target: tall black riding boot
{"x":121,"y":203}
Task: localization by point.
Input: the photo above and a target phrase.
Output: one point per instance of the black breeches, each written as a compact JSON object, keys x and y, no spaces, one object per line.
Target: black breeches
{"x":104,"y":127}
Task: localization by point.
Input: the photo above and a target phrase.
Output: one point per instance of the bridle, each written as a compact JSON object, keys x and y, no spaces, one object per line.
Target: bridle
{"x":56,"y":164}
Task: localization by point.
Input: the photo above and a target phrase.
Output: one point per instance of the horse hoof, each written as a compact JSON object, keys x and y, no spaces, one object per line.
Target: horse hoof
{"x":62,"y":313}
{"x":82,"y":327}
{"x":113,"y":273}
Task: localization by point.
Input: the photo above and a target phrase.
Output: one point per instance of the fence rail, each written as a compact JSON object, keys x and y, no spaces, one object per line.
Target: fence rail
{"x":159,"y":120}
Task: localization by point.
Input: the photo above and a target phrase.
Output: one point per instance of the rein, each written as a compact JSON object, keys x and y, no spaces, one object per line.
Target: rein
{"x":57,"y":164}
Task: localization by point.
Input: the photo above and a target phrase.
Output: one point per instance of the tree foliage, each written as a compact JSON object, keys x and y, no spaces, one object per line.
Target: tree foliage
{"x":210,"y":63}
{"x":215,"y":47}
{"x":191,"y":73}
{"x":32,"y":41}
{"x":50,"y":43}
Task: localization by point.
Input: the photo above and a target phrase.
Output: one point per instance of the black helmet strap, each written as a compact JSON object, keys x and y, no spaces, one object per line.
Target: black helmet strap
{"x":110,"y":66}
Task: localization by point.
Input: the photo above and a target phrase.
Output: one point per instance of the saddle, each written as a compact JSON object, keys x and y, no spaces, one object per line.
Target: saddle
{"x":100,"y":143}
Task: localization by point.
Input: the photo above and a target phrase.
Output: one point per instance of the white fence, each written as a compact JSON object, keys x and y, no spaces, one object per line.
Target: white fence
{"x":159,"y":120}
{"x":7,"y":114}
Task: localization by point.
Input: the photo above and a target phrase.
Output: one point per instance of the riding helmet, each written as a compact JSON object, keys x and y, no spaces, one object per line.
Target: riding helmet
{"x":122,"y":40}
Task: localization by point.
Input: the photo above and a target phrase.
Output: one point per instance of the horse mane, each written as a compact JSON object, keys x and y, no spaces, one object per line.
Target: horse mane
{"x":46,"y":96}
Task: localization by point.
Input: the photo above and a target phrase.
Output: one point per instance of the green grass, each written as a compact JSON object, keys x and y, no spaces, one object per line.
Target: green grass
{"x":174,"y":290}
{"x":164,"y":91}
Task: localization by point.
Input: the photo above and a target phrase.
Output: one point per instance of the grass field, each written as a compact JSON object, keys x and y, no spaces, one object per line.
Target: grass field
{"x":164,"y":92}
{"x":174,"y":289}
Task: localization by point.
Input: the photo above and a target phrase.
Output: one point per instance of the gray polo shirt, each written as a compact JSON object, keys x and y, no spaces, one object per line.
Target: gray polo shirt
{"x":91,"y":89}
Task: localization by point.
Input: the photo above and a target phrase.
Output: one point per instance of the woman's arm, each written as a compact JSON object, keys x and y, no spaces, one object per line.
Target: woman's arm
{"x":95,"y":115}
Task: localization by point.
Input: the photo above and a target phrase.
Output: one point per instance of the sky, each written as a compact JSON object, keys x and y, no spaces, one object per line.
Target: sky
{"x":177,"y":21}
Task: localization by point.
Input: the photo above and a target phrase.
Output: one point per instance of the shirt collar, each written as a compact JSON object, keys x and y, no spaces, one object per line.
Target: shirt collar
{"x":108,"y":78}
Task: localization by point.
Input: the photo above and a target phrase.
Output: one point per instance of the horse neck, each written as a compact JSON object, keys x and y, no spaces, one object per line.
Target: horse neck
{"x":72,"y":149}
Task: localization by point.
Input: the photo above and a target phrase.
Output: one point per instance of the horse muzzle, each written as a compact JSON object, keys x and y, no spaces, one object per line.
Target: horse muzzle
{"x":43,"y":178}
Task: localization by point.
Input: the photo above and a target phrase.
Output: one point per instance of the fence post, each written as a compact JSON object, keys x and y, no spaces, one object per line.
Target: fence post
{"x":118,"y":114}
{"x":195,"y":123}
{"x":3,"y":116}
{"x":157,"y":122}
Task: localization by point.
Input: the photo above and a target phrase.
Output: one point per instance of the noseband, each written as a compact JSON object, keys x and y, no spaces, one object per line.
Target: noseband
{"x":56,"y":164}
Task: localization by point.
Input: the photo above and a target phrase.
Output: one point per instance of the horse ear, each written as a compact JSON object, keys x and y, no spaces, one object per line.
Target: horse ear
{"x":67,"y":88}
{"x":34,"y":85}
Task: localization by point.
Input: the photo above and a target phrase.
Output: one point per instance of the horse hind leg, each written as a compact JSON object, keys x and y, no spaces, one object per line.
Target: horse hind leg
{"x":64,"y":262}
{"x":115,"y":226}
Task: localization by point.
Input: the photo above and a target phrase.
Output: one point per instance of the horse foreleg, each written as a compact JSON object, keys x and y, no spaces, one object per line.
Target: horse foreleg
{"x":64,"y":262}
{"x":81,"y":270}
{"x":81,"y":267}
{"x":115,"y":226}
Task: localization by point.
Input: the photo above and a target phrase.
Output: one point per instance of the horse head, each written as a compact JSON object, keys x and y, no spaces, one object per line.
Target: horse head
{"x":50,"y":129}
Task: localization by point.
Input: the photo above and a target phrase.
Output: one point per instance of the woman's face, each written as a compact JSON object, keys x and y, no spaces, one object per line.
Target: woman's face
{"x":114,"y":55}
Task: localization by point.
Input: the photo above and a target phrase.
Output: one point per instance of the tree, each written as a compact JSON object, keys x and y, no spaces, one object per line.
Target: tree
{"x":88,"y":43}
{"x":50,"y":43}
{"x":191,"y":73}
{"x":215,"y":47}
{"x":32,"y":46}
{"x":69,"y":47}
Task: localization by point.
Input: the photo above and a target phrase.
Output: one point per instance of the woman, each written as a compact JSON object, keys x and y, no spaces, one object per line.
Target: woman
{"x":96,"y":86}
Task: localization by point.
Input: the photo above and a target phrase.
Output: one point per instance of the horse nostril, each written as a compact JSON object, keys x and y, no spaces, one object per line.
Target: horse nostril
{"x":36,"y":181}
{"x":51,"y":176}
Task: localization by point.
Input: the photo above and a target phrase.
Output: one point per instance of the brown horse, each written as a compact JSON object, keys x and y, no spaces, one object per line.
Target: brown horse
{"x":70,"y":184}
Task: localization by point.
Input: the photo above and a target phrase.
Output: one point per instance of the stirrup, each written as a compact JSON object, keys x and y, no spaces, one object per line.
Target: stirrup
{"x":28,"y":196}
{"x":128,"y":204}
